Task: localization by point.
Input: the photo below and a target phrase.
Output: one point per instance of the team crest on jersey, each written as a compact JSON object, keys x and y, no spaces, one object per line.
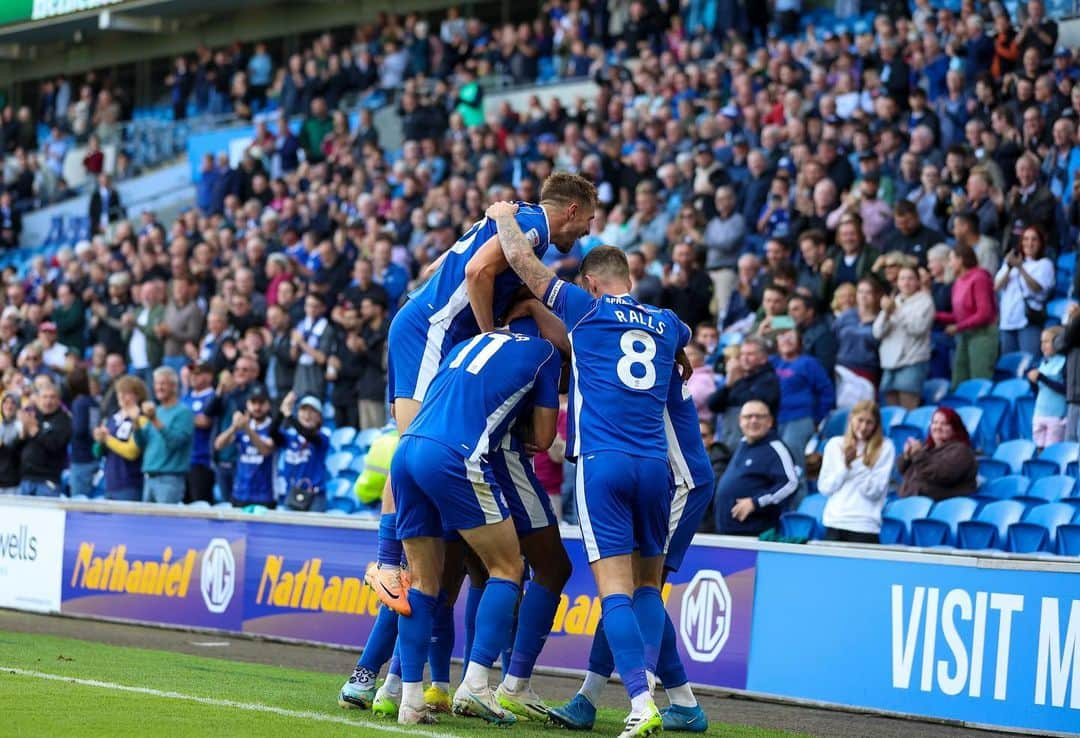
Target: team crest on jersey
{"x":534,"y":237}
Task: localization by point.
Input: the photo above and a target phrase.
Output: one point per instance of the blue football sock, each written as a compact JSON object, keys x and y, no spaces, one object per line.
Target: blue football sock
{"x":472,"y":602}
{"x":650,"y":614}
{"x":442,"y":640}
{"x":414,"y":636}
{"x":494,"y":617}
{"x":669,"y":668}
{"x":600,"y":659}
{"x":390,"y":550}
{"x":535,"y":617}
{"x":624,"y":636}
{"x":381,"y":642}
{"x":395,"y":663}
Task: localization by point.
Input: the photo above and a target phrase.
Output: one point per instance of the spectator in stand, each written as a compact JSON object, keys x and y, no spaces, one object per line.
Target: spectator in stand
{"x":854,"y":476}
{"x":749,"y":376}
{"x":250,"y":433}
{"x":945,"y":465}
{"x":1068,"y":343}
{"x":851,"y":259}
{"x":903,"y":329}
{"x":105,"y":205}
{"x":231,"y":398}
{"x":10,"y":443}
{"x":806,"y":394}
{"x":1048,"y":423}
{"x":966,"y":233}
{"x":909,"y":235}
{"x":1030,"y":203}
{"x":723,"y":242}
{"x":818,"y":337}
{"x":181,"y":324}
{"x":311,"y":343}
{"x":69,"y":316}
{"x":200,"y":399}
{"x":85,"y":417}
{"x":688,"y":290}
{"x":166,"y":439}
{"x":858,"y":365}
{"x":117,"y":442}
{"x":702,"y":382}
{"x":1024,"y":284}
{"x":145,"y":347}
{"x":305,"y":443}
{"x":759,"y":479}
{"x":371,"y":346}
{"x":973,"y":319}
{"x":10,"y":221}
{"x":94,"y":160}
{"x":46,"y":432}
{"x":280,"y":363}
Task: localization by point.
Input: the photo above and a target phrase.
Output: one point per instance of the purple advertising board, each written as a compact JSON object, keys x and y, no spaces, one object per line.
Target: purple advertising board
{"x":178,"y":571}
{"x":306,"y":582}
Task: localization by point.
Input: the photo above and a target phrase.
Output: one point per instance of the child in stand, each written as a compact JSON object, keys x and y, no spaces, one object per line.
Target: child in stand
{"x":1048,"y":426}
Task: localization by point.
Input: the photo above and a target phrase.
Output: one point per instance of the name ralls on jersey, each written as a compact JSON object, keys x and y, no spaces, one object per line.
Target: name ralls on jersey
{"x":637,"y":318}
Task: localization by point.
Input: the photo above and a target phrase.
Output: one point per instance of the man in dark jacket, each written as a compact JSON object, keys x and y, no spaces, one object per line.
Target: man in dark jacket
{"x":818,"y":339}
{"x":1068,"y":343}
{"x":750,"y":377}
{"x":687,"y":288}
{"x":760,"y":477}
{"x":45,"y":436}
{"x":105,"y":205}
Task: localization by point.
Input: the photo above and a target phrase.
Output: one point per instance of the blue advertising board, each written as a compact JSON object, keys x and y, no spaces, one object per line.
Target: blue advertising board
{"x":982,"y":645}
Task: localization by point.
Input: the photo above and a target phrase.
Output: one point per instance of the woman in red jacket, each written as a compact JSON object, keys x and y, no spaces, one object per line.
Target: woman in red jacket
{"x":973,"y":320}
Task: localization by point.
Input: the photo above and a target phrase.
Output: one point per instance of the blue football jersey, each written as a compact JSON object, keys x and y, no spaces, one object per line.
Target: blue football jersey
{"x":483,"y":385}
{"x":254,"y":471}
{"x":305,"y":463}
{"x":623,"y":356}
{"x":443,"y":298}
{"x":689,"y":461}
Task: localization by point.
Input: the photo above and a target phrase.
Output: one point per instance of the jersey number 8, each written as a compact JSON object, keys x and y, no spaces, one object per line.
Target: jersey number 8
{"x":631,"y":355}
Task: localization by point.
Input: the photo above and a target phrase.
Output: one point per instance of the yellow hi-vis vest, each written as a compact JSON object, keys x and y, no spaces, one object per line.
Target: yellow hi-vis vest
{"x":370,"y":483}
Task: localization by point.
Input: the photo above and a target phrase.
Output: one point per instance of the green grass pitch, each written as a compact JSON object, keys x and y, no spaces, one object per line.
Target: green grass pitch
{"x":206,"y":696}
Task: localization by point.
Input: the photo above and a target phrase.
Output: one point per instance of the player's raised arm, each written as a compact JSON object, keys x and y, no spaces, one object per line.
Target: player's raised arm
{"x":480,"y":275}
{"x":517,"y":249}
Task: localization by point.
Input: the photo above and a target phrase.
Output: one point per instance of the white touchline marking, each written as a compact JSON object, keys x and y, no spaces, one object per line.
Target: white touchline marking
{"x":213,"y":702}
{"x":210,"y":644}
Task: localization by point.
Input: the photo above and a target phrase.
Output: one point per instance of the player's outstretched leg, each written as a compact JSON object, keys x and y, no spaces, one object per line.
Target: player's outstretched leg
{"x":547,"y":556}
{"x":388,"y":696}
{"x":359,"y":690}
{"x":498,"y":549}
{"x":580,"y":712}
{"x":684,"y":713}
{"x":414,"y":632}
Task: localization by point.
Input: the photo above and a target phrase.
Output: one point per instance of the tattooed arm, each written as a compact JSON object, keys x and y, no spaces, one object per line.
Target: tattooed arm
{"x":518,"y":249}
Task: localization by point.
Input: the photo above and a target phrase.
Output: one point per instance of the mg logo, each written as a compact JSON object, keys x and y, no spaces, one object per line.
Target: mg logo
{"x":705,"y":618}
{"x":218,"y":578}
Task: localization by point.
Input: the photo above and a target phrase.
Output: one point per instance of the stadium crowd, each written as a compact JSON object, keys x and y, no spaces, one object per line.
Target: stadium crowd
{"x":839,"y":214}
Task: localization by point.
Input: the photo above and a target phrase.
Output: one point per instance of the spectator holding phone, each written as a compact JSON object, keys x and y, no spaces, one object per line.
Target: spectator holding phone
{"x":306,"y":443}
{"x":250,"y":432}
{"x":1023,"y":283}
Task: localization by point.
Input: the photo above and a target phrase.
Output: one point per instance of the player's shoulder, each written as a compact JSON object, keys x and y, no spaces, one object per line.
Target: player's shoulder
{"x":534,"y":223}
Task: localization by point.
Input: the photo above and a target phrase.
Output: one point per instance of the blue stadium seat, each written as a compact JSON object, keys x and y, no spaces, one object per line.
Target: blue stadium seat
{"x":338,"y":461}
{"x":990,"y":528}
{"x":1066,"y":262}
{"x":1015,"y":453}
{"x":897,"y":516}
{"x":806,"y":523}
{"x":1038,"y":529}
{"x":339,"y":487}
{"x":365,"y":438}
{"x":990,"y":469}
{"x":934,"y":390}
{"x":835,"y":424}
{"x":973,"y":389}
{"x":971,"y":417}
{"x":342,"y":505}
{"x":995,"y":412}
{"x":1048,"y":489}
{"x":1012,"y":365}
{"x":1058,"y":307}
{"x":920,"y":417}
{"x":1054,"y":459}
{"x":1024,"y":408}
{"x":342,"y":437}
{"x":356,"y":468}
{"x":1012,"y":390}
{"x":1004,"y":488}
{"x":1068,"y":539}
{"x":900,"y":434}
{"x":892,"y":415}
{"x":939,"y":527}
